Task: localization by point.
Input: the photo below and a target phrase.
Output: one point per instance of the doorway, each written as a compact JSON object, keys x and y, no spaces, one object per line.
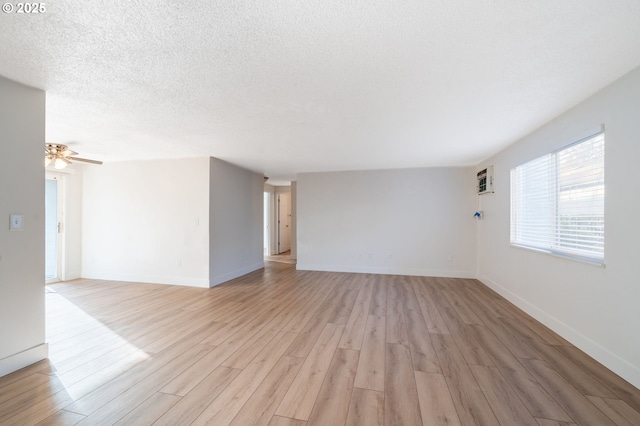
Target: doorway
{"x":284,"y":222}
{"x":54,"y":227}
{"x":278,"y":223}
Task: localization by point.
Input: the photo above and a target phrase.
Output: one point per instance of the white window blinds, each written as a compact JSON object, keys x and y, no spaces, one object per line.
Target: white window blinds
{"x":557,"y":201}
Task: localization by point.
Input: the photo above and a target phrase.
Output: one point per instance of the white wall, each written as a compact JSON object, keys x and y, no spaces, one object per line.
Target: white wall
{"x":22,"y":330}
{"x":595,"y":308}
{"x":410,"y":222}
{"x":147,"y":221}
{"x":235,"y":221}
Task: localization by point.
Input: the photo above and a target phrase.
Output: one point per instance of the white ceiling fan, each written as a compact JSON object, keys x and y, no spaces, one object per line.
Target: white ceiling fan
{"x":60,"y":155}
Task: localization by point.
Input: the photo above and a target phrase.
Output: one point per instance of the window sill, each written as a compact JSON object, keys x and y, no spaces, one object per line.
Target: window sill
{"x":593,"y":262}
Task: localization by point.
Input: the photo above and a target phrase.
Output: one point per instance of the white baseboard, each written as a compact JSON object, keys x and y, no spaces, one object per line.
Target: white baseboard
{"x":613,"y":362}
{"x":23,"y":359}
{"x":223,"y":278}
{"x":150,"y":279}
{"x":445,"y":273}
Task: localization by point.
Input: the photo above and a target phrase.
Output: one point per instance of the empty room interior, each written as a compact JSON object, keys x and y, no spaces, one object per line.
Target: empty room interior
{"x":320,"y":213}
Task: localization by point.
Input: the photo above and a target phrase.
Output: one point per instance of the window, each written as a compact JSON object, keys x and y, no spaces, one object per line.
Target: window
{"x":557,"y":201}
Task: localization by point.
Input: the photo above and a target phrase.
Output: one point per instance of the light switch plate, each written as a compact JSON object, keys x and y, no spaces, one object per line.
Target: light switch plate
{"x":16,"y":222}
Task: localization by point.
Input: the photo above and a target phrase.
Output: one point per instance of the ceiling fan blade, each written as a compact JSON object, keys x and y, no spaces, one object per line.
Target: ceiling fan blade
{"x":85,"y":160}
{"x":68,"y":153}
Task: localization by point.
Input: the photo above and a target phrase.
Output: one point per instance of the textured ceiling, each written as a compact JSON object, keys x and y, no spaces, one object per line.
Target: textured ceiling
{"x":283,"y":87}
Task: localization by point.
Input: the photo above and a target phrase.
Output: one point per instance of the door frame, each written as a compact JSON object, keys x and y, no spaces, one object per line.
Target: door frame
{"x":267,"y":197}
{"x":60,"y":244}
{"x":278,"y":195}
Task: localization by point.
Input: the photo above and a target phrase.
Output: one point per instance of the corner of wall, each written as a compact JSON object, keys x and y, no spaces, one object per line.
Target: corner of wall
{"x":589,"y":346}
{"x":22,"y":118}
{"x":23,"y":359}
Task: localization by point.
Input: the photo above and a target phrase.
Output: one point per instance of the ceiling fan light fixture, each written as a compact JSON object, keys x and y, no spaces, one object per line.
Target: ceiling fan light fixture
{"x":60,"y":163}
{"x":60,"y":156}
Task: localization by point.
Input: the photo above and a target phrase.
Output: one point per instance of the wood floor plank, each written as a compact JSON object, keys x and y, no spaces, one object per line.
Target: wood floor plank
{"x":378,"y":305}
{"x":430,"y":313}
{"x":505,"y":404}
{"x":43,"y":367}
{"x":533,"y":395}
{"x":467,"y":396}
{"x":189,"y":378}
{"x":286,"y":421}
{"x":332,"y":404}
{"x":355,"y":326}
{"x":408,"y":296}
{"x":29,"y":413}
{"x":308,"y":335}
{"x":37,"y":401}
{"x":80,"y":366}
{"x":579,"y":379}
{"x":371,"y":366}
{"x":423,"y":354}
{"x":480,"y":295}
{"x":401,"y":406}
{"x":299,"y":400}
{"x":193,"y":404}
{"x":471,"y":349}
{"x":62,"y":418}
{"x":465,"y":312}
{"x":110,"y":411}
{"x":21,"y":386}
{"x":548,"y":422}
{"x":248,"y":320}
{"x":581,"y":410}
{"x":259,"y":409}
{"x":366,"y":408}
{"x":617,"y":410}
{"x":343,"y":310}
{"x":519,"y":345}
{"x":436,"y":405}
{"x":250,"y":349}
{"x":396,"y":323}
{"x":48,"y":398}
{"x":314,"y":305}
{"x":89,"y":401}
{"x":206,"y":327}
{"x":540,"y":329}
{"x":150,"y":410}
{"x":230,"y":401}
{"x":623,"y":389}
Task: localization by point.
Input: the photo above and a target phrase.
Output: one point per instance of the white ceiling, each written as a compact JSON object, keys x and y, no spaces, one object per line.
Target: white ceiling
{"x":283,"y":87}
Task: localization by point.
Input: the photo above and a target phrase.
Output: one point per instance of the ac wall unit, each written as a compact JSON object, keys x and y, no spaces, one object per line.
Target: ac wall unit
{"x":485,"y":181}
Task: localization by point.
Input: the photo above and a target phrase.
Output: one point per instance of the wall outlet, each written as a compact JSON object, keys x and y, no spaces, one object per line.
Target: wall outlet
{"x":15,"y":223}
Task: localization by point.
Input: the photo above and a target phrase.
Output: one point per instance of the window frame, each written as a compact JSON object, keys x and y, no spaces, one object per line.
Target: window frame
{"x":555,"y":248}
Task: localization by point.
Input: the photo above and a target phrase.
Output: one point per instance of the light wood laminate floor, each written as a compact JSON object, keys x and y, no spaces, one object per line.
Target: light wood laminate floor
{"x":287,"y":347}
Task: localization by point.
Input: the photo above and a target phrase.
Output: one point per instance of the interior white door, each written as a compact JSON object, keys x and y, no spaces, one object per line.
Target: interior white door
{"x":53,"y":230}
{"x":284,"y":223}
